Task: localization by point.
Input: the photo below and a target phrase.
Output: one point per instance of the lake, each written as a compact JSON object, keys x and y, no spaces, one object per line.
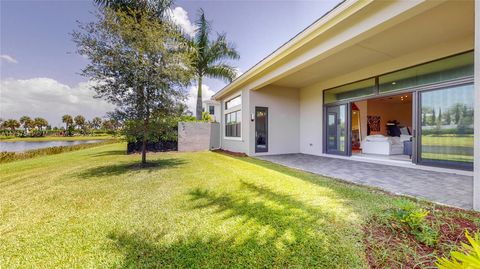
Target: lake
{"x":21,"y":146}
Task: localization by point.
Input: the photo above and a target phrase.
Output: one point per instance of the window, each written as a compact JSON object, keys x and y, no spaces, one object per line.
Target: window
{"x":233,"y":124}
{"x":233,"y":102}
{"x":211,"y":110}
{"x":454,"y":67}
{"x":353,"y":90}
{"x":446,"y":117}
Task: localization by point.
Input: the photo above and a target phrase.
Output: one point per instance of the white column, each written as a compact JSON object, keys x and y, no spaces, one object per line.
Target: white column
{"x":476,"y":164}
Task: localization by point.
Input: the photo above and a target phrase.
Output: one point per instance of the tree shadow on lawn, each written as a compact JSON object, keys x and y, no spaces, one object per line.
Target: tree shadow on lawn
{"x":130,"y":167}
{"x":254,"y":227}
{"x":110,"y":153}
{"x":359,"y":197}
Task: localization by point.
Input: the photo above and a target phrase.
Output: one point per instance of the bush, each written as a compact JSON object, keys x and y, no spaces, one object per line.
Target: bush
{"x":469,"y":257}
{"x":6,"y":157}
{"x":163,"y":129}
{"x":414,"y":217}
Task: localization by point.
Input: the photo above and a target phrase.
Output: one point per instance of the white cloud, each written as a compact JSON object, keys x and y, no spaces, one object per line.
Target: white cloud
{"x":8,"y":58}
{"x":238,"y":72}
{"x":50,"y":99}
{"x":192,"y":96}
{"x":180,"y":17}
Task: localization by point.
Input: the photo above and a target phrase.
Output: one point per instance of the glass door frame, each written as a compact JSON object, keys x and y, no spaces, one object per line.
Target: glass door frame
{"x":348,"y":126}
{"x":418,"y":126}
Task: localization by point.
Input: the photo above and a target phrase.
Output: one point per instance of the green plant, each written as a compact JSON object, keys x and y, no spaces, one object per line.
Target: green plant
{"x":410,"y":214}
{"x":469,"y":258}
{"x":414,"y":217}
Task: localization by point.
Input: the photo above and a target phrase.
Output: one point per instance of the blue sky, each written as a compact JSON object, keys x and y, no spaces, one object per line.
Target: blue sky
{"x":38,"y":54}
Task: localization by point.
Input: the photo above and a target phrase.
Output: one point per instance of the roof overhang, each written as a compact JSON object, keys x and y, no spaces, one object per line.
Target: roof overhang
{"x":357,"y":33}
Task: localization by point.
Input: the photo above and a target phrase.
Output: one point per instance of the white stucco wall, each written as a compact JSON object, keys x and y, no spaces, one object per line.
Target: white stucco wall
{"x":236,"y":144}
{"x":311,"y":117}
{"x":283,"y":119}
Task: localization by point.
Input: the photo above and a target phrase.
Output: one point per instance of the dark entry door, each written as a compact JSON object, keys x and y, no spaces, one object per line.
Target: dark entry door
{"x":261,"y":129}
{"x":337,"y":124}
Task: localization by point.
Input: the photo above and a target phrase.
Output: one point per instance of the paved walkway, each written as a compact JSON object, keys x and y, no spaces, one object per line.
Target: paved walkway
{"x":444,"y":188}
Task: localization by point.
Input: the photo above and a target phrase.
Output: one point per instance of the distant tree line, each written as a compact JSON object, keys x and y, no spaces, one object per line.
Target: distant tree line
{"x":460,"y":116}
{"x":78,"y":125}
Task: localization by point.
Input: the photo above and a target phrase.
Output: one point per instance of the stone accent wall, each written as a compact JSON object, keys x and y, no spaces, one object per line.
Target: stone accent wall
{"x":198,"y":136}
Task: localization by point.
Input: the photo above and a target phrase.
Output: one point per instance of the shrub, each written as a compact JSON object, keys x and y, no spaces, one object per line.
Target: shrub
{"x":469,"y":257}
{"x":414,"y":217}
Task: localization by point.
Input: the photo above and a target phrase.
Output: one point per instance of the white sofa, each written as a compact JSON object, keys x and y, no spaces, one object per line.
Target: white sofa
{"x":383,"y":145}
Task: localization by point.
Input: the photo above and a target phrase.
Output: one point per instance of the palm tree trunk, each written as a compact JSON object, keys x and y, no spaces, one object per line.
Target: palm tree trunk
{"x":199,"y":99}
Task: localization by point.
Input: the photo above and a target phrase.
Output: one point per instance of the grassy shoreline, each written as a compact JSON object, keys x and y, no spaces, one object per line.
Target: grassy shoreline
{"x":6,"y":157}
{"x":56,"y":138}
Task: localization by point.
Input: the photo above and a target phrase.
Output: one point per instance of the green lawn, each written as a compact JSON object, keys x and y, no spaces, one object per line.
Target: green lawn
{"x":96,"y":208}
{"x":453,"y":140}
{"x":55,"y":138}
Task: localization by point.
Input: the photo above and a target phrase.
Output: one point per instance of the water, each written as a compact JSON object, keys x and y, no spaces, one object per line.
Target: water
{"x":22,"y":146}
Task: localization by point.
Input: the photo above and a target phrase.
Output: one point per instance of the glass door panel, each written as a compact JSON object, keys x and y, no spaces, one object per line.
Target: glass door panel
{"x":336,"y":129}
{"x":261,"y":129}
{"x":446,"y":131}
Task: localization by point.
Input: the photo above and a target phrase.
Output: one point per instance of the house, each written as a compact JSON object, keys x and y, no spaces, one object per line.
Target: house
{"x":212,"y":108}
{"x":393,"y":80}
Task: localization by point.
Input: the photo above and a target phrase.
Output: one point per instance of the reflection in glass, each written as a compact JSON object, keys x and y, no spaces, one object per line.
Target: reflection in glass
{"x":447,"y":125}
{"x":261,"y":129}
{"x":336,"y":129}
{"x":354,"y":90}
{"x":454,"y":67}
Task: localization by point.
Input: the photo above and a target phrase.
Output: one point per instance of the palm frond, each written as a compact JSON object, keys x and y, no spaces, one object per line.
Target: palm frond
{"x":222,"y":71}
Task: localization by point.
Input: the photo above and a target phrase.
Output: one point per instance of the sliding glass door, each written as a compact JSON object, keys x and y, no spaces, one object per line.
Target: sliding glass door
{"x":336,"y":129}
{"x":446,"y":126}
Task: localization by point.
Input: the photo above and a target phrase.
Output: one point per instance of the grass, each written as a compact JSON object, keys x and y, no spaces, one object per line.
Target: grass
{"x":98,"y":208}
{"x":56,"y":138}
{"x":442,"y":140}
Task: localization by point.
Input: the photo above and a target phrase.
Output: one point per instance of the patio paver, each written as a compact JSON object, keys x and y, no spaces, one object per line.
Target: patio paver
{"x":445,"y":188}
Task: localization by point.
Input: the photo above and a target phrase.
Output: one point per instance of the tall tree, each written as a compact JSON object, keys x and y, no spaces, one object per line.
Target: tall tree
{"x":79,"y":121}
{"x":433,"y":119}
{"x":26,"y":122}
{"x":138,"y":63}
{"x":40,"y":123}
{"x":96,"y":123}
{"x":210,"y":57}
{"x":154,"y":8}
{"x":11,"y":124}
{"x":68,"y":120}
{"x":448,"y":118}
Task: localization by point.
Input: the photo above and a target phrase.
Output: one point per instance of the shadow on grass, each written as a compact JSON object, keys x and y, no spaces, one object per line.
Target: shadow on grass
{"x":134,"y":166}
{"x":110,"y":153}
{"x":351,"y":193}
{"x":254,"y":227}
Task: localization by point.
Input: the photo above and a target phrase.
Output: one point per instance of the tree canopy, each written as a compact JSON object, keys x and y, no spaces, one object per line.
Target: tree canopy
{"x":137,"y":63}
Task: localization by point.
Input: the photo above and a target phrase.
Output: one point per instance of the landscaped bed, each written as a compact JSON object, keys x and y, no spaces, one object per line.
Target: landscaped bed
{"x":98,"y":208}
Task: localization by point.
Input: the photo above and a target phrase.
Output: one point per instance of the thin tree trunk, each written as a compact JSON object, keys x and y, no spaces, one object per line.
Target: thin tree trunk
{"x":199,"y":99}
{"x":144,"y":142}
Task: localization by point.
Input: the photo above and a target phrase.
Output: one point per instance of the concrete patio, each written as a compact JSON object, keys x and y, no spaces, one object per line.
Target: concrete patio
{"x":444,"y":188}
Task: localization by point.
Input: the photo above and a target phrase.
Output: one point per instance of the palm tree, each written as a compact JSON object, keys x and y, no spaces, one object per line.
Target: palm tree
{"x":27,"y":122}
{"x":11,"y":123}
{"x":209,"y":57}
{"x":79,"y":121}
{"x":40,"y":123}
{"x":96,"y":123}
{"x":68,"y":120}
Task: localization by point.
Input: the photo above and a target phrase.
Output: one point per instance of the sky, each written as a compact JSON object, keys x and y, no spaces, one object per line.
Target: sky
{"x":39,"y":69}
